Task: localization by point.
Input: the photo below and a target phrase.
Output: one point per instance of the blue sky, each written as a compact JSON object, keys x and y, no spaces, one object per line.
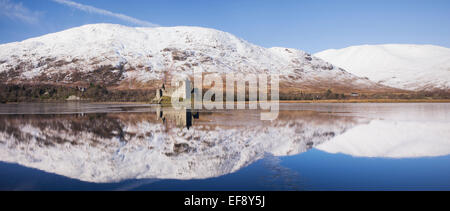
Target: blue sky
{"x":310,"y":25}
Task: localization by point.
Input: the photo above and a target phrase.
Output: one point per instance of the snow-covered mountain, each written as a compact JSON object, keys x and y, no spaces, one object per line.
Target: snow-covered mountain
{"x":113,"y":54}
{"x":411,"y":67}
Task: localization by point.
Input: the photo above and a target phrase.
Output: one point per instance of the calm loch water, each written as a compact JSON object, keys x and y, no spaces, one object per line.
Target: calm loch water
{"x":82,"y":146}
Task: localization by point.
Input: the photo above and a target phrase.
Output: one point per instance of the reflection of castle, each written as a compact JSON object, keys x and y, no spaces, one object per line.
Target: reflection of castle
{"x":180,"y":118}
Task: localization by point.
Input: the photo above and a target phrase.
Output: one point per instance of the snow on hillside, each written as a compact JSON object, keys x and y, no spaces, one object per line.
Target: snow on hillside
{"x":412,"y":67}
{"x":144,"y":54}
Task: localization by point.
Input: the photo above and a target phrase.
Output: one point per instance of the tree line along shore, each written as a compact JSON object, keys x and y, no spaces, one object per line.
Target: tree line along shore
{"x":97,"y":93}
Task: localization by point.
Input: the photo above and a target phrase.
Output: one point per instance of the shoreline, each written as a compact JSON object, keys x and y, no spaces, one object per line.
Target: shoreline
{"x":371,"y":101}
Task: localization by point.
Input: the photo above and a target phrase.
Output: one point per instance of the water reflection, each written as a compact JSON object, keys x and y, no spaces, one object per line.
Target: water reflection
{"x":162,"y":143}
{"x":182,"y":117}
{"x":393,"y":139}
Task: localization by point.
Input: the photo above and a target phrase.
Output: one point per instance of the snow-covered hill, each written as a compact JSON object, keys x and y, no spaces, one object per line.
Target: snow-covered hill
{"x":412,"y":67}
{"x":112,"y":54}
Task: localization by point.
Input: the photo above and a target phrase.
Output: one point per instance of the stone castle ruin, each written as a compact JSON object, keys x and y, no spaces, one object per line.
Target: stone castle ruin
{"x":183,"y":90}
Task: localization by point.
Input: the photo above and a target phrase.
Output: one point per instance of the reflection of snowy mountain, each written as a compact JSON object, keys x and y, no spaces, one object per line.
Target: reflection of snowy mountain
{"x":115,"y":147}
{"x":393,"y":139}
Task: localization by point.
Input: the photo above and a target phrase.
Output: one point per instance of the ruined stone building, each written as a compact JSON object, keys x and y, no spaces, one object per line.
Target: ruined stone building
{"x":183,"y":90}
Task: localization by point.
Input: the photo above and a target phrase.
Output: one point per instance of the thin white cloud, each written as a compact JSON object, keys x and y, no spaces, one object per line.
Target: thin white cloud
{"x":91,"y":9}
{"x":17,"y":11}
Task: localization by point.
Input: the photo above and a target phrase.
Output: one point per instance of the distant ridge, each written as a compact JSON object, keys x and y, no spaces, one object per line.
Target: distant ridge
{"x":410,"y":67}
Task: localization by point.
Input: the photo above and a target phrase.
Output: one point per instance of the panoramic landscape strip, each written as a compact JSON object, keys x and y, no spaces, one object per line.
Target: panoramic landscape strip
{"x":224,"y":104}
